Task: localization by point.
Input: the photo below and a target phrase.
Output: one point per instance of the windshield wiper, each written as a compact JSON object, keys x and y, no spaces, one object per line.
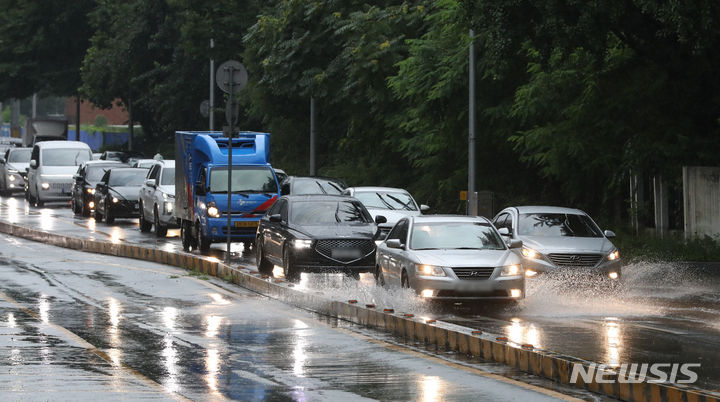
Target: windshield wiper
{"x":404,"y":205}
{"x":336,"y":187}
{"x":469,"y":248}
{"x":387,"y":204}
{"x":321,"y":187}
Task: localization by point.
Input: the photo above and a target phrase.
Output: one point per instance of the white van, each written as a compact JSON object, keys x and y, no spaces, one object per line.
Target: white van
{"x":52,"y":165}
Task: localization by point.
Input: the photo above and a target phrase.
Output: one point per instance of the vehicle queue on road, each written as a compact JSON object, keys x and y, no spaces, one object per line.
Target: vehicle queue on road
{"x":319,"y":224}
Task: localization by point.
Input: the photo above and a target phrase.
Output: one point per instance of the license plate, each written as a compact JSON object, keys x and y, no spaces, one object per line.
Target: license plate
{"x":346,"y":253}
{"x":246,"y":224}
{"x":137,"y":206}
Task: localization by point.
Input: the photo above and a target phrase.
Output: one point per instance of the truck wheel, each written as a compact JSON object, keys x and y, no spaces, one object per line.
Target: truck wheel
{"x":289,"y":268}
{"x":185,"y":236}
{"x":160,"y":229}
{"x":263,"y":265}
{"x":202,"y":241}
{"x":145,"y":225}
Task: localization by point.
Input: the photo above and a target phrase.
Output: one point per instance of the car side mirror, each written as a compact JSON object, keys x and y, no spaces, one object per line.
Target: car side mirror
{"x":394,"y":243}
{"x":380,"y":219}
{"x":2,"y":161}
{"x":504,"y":232}
{"x":424,"y":208}
{"x":150,"y":183}
{"x":515,"y":244}
{"x":33,"y":164}
{"x":276,"y":218}
{"x":609,"y":234}
{"x":77,"y":177}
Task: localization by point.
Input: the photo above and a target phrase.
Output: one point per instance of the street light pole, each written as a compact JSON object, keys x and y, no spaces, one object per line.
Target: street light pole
{"x":312,"y":137}
{"x":472,"y":195}
{"x":212,"y":88}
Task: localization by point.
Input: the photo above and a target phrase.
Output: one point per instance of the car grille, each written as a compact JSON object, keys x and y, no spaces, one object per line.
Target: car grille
{"x":575,"y":260}
{"x":455,"y":293}
{"x":64,"y":187}
{"x":473,"y":272}
{"x":326,"y":247}
{"x":239,"y":231}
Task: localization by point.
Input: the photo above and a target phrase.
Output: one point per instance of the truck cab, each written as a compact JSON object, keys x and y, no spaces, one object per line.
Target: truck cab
{"x":201,"y":186}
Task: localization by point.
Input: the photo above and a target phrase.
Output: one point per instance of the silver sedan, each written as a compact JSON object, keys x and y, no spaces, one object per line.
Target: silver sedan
{"x":459,"y":258}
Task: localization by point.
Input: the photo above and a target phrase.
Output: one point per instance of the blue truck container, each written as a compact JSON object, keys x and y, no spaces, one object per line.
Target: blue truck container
{"x":201,"y":184}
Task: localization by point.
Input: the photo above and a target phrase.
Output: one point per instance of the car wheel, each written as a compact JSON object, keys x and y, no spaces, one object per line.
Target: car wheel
{"x":200,"y":239}
{"x":291,"y":273}
{"x":85,"y":209}
{"x":404,"y":280}
{"x":109,"y":219}
{"x":246,"y":246}
{"x":160,"y":229}
{"x":263,"y":265}
{"x":145,"y":225}
{"x":97,"y":215}
{"x":379,"y":277}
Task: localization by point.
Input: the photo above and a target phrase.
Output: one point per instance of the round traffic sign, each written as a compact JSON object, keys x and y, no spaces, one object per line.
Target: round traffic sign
{"x":231,"y":74}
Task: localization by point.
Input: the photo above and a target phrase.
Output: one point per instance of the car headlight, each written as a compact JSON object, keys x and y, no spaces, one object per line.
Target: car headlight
{"x":115,"y":200}
{"x":302,"y":243}
{"x":429,"y":270}
{"x":527,"y":252}
{"x":168,"y":207}
{"x":45,"y":186}
{"x":90,"y":190}
{"x":511,"y":270}
{"x":11,"y":177}
{"x":614,"y":255}
{"x":212,"y":210}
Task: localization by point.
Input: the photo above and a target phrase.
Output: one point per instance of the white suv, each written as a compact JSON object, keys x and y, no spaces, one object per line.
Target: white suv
{"x":52,"y":165}
{"x":157,"y":198}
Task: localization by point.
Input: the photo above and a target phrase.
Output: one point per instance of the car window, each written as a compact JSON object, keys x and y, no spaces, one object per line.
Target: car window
{"x":315,"y":186}
{"x":35,"y":154}
{"x":18,"y":156}
{"x":558,"y":225}
{"x":127,"y":177}
{"x":386,"y":200}
{"x":168,"y":177}
{"x":455,"y":235}
{"x":399,"y":232}
{"x":95,"y":173}
{"x":501,"y":221}
{"x":329,"y":212}
{"x":245,"y":179}
{"x":284,"y":210}
{"x":65,"y":157}
{"x":274,"y":209}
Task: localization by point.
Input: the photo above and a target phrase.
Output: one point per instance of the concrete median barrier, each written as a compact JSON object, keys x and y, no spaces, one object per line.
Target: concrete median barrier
{"x":435,"y":335}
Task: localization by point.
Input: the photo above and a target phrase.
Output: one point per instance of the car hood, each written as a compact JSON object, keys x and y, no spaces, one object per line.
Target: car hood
{"x":466,"y":258}
{"x":130,"y":193}
{"x":339,"y":231}
{"x":564,"y":244}
{"x":19,"y":166}
{"x":392,"y":215}
{"x":169,"y":190}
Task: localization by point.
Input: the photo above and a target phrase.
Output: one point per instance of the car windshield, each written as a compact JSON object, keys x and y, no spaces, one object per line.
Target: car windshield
{"x":95,"y":173}
{"x":557,"y":225}
{"x":455,"y":235}
{"x":315,"y":186}
{"x":65,"y":157}
{"x":245,"y":179}
{"x":168,"y":177}
{"x":312,"y":213}
{"x":129,"y":177}
{"x":386,"y":200}
{"x":19,"y":156}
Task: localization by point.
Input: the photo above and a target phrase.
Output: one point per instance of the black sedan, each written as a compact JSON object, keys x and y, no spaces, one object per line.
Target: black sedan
{"x":85,"y":180}
{"x":317,"y":233}
{"x":116,"y":195}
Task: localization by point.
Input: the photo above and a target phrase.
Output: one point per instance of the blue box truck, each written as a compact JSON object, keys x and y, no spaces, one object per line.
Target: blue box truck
{"x":201,"y":186}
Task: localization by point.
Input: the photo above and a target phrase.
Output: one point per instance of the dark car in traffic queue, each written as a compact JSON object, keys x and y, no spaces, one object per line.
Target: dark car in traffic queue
{"x":317,"y":233}
{"x":116,"y":195}
{"x":84,"y":182}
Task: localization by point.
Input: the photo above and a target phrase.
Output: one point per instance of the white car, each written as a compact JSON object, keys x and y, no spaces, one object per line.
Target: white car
{"x":450,"y":257}
{"x":13,"y":170}
{"x":157,"y":198}
{"x":392,"y":203}
{"x":559,"y":239}
{"x":51,"y":169}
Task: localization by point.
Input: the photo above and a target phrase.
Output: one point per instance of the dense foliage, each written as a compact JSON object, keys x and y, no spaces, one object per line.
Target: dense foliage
{"x":571,"y":95}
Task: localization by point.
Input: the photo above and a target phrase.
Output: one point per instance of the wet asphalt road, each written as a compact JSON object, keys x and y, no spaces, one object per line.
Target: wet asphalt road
{"x":79,"y":326}
{"x":661,"y":313}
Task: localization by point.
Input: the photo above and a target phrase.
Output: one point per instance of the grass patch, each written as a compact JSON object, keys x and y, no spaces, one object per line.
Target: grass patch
{"x":670,"y":248}
{"x":174,"y":276}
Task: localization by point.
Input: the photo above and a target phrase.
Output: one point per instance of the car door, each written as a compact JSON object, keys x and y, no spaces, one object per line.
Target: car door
{"x":147,"y":193}
{"x":279,"y":233}
{"x":77,"y":188}
{"x":390,"y":260}
{"x":265,"y":230}
{"x":100,"y":190}
{"x":32,"y":173}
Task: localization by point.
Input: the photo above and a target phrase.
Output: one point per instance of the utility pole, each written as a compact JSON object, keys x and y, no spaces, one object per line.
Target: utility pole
{"x":34,"y":105}
{"x":77,"y":117}
{"x":312,"y":137}
{"x":131,"y":123}
{"x":472,"y":194}
{"x":212,"y":87}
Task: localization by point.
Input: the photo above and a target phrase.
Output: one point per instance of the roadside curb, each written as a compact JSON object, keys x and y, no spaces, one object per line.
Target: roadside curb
{"x":442,"y":336}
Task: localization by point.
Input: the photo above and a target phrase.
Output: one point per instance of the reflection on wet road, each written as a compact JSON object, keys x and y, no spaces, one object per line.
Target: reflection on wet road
{"x":80,"y":326}
{"x":662,"y":313}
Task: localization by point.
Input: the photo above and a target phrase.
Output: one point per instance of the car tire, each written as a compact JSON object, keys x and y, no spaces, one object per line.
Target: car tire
{"x":98,"y":216}
{"x":263,"y":265}
{"x":85,"y":209}
{"x":145,"y":225}
{"x":202,"y":242}
{"x":160,"y":229}
{"x":379,"y":277}
{"x":109,"y":219}
{"x":404,"y":280}
{"x":289,"y":268}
